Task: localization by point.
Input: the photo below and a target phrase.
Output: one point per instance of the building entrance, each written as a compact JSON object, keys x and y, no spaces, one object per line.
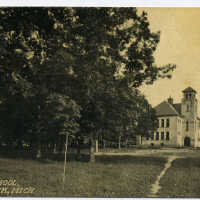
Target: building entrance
{"x":187,"y":141}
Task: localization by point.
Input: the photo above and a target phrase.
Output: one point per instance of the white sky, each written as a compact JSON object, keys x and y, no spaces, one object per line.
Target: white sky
{"x":180,"y":45}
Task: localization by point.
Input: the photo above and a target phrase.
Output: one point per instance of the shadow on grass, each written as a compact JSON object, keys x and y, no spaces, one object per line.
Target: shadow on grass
{"x":71,"y":157}
{"x":130,"y":159}
{"x":187,"y":163}
{"x":46,"y":157}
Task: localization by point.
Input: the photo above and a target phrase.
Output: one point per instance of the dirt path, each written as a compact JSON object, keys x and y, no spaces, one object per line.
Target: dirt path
{"x":156,"y":186}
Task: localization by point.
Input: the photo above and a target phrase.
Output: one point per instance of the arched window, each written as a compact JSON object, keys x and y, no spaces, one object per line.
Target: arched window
{"x":187,"y":126}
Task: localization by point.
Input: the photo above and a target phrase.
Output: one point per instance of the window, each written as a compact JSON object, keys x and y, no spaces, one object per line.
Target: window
{"x":162,"y":135}
{"x":162,"y":123}
{"x":187,"y":126}
{"x":167,"y":135}
{"x":188,"y":108}
{"x":157,"y":123}
{"x":157,"y":136}
{"x":167,"y":125}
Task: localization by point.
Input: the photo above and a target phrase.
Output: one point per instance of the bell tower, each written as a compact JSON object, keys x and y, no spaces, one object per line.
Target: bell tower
{"x":189,"y":104}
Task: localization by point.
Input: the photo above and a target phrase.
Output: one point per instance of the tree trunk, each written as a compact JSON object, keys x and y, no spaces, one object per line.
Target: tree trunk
{"x":52,"y":146}
{"x":43,"y":146}
{"x":119,"y":143}
{"x":19,"y":145}
{"x":55,"y":148}
{"x":10,"y":144}
{"x":39,"y":151}
{"x":92,"y":156}
{"x":126,"y":143}
{"x":78,"y":149}
{"x":104,"y":144}
{"x":65,"y":160}
{"x":61,"y":146}
{"x":97,"y":146}
{"x":31,"y":144}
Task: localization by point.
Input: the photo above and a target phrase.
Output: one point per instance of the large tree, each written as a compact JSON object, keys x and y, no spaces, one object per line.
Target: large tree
{"x":79,"y":52}
{"x":111,"y":45}
{"x":33,"y":69}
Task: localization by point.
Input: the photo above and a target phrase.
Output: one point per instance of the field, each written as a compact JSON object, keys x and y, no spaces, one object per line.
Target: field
{"x":182,"y":179}
{"x":110,"y":176}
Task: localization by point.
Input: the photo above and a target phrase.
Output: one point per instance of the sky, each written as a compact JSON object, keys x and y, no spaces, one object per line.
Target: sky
{"x":180,"y":45}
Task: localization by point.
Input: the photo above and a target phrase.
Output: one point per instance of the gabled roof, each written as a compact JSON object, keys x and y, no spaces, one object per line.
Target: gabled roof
{"x":177,"y":106}
{"x":189,"y":89}
{"x":166,"y":109}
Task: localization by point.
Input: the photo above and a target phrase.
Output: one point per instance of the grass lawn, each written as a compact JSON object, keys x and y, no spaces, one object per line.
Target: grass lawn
{"x":117,"y":176}
{"x":182,"y":179}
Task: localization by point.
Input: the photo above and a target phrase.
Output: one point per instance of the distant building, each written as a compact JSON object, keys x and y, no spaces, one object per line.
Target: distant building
{"x":178,"y":124}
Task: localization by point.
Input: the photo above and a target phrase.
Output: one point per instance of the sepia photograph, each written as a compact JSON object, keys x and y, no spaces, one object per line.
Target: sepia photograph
{"x":100,"y":102}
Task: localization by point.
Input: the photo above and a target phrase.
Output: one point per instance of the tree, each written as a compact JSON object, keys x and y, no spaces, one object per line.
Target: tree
{"x":128,"y":114}
{"x":92,"y":50}
{"x":110,"y":44}
{"x":147,"y":120}
{"x":68,"y":113}
{"x":32,"y":67}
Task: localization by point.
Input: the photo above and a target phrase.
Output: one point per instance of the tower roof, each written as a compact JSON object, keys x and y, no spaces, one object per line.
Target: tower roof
{"x":189,"y":89}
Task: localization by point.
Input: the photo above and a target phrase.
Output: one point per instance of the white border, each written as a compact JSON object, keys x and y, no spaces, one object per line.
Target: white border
{"x":61,"y":198}
{"x":100,"y":3}
{"x":97,"y":3}
{"x":51,"y":198}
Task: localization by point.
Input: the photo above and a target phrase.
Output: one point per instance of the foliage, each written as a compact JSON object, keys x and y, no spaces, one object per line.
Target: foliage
{"x":76,"y":70}
{"x":31,"y":70}
{"x":113,"y":53}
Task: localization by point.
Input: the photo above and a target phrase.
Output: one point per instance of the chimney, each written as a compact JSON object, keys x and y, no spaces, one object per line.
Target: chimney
{"x":170,"y":100}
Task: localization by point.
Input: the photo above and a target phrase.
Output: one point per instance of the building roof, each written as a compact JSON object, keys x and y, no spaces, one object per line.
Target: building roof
{"x":177,"y":106}
{"x":169,"y":109}
{"x":189,"y":89}
{"x":166,"y":109}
